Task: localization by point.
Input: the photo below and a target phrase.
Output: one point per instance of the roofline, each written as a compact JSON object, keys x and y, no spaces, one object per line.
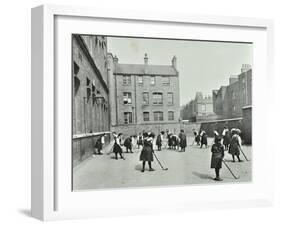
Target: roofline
{"x":172,"y":75}
{"x":82,"y":44}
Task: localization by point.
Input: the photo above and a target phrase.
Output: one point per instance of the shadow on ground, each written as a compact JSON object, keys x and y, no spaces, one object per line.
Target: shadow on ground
{"x":138,"y":167}
{"x":202,"y":176}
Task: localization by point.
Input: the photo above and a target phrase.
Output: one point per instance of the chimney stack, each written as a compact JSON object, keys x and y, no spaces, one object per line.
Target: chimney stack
{"x":145,"y":59}
{"x":174,"y":62}
{"x":115,"y":59}
{"x":245,"y":67}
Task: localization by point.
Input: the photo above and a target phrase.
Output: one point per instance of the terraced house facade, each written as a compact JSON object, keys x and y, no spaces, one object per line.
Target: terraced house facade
{"x":143,"y":96}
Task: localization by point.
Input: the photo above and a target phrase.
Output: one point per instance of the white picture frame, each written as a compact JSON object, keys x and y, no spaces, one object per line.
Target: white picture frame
{"x":53,"y":199}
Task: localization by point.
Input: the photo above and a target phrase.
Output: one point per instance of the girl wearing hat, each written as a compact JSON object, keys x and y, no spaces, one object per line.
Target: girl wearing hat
{"x":217,"y":157}
{"x":147,"y":150}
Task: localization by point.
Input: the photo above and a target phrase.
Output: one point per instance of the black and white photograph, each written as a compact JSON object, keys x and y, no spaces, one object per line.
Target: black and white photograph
{"x":152,"y":112}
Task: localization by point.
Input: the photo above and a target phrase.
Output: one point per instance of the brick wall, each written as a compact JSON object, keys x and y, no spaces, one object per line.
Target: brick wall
{"x":129,"y":130}
{"x":83,"y":147}
{"x":137,"y":107}
{"x":247,"y":124}
{"x":229,"y":100}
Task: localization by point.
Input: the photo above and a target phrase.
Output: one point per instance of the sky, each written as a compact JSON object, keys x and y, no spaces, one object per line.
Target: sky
{"x":203,"y":66}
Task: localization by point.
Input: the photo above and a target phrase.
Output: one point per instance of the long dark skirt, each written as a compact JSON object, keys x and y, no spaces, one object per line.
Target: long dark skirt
{"x":226,"y":140}
{"x":234,"y":149}
{"x":146,"y":154}
{"x":117,"y":148}
{"x":216,"y":161}
{"x":204,"y":140}
{"x":183,"y":142}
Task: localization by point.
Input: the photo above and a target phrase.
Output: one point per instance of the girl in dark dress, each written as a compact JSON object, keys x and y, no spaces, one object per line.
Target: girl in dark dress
{"x":170,"y":140}
{"x":197,"y":138}
{"x":204,"y":140}
{"x":147,"y":151}
{"x":128,"y":144}
{"x":117,"y":149}
{"x":226,"y":140}
{"x":140,"y":140}
{"x":159,"y":140}
{"x":182,"y":138}
{"x":175,"y":141}
{"x":99,"y":144}
{"x":234,"y":147}
{"x":217,"y":157}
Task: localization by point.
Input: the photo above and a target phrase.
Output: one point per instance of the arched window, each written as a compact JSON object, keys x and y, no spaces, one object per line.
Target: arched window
{"x":76,"y":85}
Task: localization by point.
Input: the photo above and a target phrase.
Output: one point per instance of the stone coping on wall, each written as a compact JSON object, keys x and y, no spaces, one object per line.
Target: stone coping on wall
{"x":146,"y":124}
{"x":246,"y":107}
{"x":220,"y":120}
{"x":85,"y":135}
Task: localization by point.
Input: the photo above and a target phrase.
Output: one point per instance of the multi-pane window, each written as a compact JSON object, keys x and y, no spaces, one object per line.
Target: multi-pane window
{"x":166,"y":80}
{"x":203,"y":107}
{"x":128,"y":117}
{"x":233,"y":95}
{"x":76,"y":85}
{"x":146,"y":116}
{"x":126,"y":79}
{"x":127,"y":98}
{"x":152,"y":80}
{"x":76,"y":68}
{"x":170,"y":98}
{"x":88,"y":94}
{"x":88,"y":89}
{"x":145,"y":98}
{"x":170,"y":115}
{"x":140,"y":80}
{"x":158,"y":116}
{"x":157,"y":98}
{"x":93,"y":94}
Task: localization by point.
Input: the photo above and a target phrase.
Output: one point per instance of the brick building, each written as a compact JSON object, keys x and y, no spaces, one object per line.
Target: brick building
{"x":143,"y":96}
{"x":90,"y":104}
{"x":199,"y":109}
{"x":229,"y":100}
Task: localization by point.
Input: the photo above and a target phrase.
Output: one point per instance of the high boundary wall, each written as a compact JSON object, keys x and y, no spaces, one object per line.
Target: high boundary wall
{"x":83,"y":146}
{"x":135,"y":129}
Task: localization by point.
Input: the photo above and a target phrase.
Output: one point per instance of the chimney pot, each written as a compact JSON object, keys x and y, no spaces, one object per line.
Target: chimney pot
{"x":145,"y":59}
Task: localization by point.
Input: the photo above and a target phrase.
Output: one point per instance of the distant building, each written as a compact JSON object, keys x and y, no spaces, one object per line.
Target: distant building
{"x":199,"y":109}
{"x":229,"y":101}
{"x":90,"y":94}
{"x":143,"y":96}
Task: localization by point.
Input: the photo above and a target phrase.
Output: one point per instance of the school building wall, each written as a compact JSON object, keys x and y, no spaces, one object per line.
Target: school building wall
{"x":90,"y":115}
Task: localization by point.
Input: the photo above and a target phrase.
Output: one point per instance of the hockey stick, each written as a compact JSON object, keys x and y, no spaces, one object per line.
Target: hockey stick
{"x":236,"y":177}
{"x":110,"y":150}
{"x":244,"y":155}
{"x":159,"y":162}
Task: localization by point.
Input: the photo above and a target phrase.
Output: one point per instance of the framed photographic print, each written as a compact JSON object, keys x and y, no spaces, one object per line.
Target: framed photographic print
{"x":136,"y":113}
